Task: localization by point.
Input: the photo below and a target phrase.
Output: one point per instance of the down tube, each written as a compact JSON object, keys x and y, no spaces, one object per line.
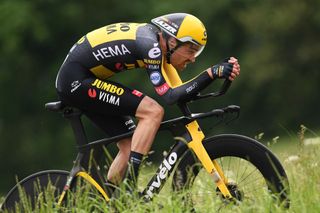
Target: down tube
{"x":165,"y":169}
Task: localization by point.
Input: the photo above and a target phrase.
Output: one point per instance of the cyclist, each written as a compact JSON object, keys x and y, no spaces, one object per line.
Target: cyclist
{"x":167,"y":44}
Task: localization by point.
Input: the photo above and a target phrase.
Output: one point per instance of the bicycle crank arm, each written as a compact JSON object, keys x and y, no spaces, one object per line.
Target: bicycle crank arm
{"x":212,"y":167}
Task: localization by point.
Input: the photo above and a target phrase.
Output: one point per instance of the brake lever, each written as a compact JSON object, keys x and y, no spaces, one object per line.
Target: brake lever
{"x":232,"y":109}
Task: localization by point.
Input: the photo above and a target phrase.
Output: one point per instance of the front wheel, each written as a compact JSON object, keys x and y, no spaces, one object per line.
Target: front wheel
{"x":32,"y":190}
{"x":251,"y":169}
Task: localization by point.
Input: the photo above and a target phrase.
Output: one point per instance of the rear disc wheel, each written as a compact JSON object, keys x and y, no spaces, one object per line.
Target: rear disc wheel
{"x":35,"y":190}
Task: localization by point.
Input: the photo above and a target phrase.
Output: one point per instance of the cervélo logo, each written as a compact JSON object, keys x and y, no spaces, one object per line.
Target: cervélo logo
{"x":164,"y":167}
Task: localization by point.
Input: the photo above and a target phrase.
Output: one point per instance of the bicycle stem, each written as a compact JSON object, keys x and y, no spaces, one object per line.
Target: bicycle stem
{"x":212,"y":167}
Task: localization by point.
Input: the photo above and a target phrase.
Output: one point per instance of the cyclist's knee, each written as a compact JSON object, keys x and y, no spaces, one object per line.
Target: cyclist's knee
{"x":157,"y":111}
{"x":149,"y":108}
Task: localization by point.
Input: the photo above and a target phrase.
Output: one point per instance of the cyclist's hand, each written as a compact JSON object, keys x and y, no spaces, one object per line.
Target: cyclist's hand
{"x":235,"y":69}
{"x":229,"y":68}
{"x":222,"y":70}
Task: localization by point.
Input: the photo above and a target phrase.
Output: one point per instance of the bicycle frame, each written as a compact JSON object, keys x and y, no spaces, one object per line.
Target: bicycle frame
{"x":181,"y":128}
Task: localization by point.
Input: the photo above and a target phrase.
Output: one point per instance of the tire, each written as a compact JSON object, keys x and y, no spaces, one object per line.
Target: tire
{"x":243,"y":154}
{"x":32,"y":186}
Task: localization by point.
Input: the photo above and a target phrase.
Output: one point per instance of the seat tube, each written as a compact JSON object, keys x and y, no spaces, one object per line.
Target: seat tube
{"x":211,"y":167}
{"x":77,"y":127}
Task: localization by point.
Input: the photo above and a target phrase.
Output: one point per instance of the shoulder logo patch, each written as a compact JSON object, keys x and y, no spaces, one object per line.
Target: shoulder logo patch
{"x":155,"y":78}
{"x":155,"y":51}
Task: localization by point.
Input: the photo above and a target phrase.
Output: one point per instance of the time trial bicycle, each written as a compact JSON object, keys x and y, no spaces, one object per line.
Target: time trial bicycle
{"x":241,"y":167}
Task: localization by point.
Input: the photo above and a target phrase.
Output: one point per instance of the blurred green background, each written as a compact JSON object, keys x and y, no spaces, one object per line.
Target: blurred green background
{"x":276,"y":42}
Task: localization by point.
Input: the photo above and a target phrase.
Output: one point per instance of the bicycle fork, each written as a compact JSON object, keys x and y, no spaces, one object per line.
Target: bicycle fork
{"x":211,"y":166}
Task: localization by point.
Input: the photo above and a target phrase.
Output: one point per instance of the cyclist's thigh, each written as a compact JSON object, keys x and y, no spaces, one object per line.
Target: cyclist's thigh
{"x":112,"y":125}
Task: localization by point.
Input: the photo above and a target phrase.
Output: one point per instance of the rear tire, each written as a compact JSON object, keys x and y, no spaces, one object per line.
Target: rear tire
{"x":231,"y":149}
{"x":32,"y":187}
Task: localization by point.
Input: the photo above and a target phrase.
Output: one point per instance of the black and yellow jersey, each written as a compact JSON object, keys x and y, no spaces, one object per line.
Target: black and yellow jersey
{"x":122,"y":46}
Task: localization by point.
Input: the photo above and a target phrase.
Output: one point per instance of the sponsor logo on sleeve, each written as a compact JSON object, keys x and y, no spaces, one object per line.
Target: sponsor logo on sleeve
{"x":155,"y":51}
{"x":161,"y":90}
{"x":153,"y":66}
{"x":137,"y":93}
{"x":192,"y":87}
{"x":155,"y":78}
{"x":151,"y":61}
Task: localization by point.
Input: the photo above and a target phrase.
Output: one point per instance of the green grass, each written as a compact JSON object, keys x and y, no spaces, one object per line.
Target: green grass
{"x":303,"y":166}
{"x":301,"y":163}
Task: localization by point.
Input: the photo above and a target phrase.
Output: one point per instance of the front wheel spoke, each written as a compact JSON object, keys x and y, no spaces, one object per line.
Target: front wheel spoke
{"x":245,"y":179}
{"x":257,"y":181}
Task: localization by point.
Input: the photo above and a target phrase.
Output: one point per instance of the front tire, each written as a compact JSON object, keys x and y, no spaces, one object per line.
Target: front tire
{"x":33,"y":188}
{"x":239,"y":157}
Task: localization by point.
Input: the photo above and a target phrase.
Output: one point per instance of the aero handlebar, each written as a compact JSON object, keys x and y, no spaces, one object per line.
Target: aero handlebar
{"x":224,"y":88}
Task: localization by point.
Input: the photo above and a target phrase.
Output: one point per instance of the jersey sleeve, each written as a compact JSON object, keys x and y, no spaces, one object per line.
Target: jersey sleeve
{"x":187,"y":90}
{"x":153,"y":59}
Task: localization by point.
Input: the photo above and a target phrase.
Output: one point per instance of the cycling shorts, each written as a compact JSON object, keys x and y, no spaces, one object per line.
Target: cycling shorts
{"x":108,"y":104}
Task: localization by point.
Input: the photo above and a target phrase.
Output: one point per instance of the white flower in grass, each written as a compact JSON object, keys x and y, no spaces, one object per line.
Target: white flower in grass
{"x":292,"y":158}
{"x":311,"y":141}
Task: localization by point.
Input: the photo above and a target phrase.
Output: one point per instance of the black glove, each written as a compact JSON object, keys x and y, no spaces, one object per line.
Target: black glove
{"x":226,"y":60}
{"x":222,"y":70}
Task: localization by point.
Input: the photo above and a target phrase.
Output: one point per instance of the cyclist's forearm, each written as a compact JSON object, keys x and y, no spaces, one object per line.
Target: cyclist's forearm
{"x":188,"y":89}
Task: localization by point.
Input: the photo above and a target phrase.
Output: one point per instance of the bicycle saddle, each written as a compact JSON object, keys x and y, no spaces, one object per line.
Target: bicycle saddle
{"x":55,"y":106}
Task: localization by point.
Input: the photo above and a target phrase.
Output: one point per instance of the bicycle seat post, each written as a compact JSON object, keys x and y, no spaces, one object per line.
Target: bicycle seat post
{"x":74,"y":116}
{"x":82,"y":160}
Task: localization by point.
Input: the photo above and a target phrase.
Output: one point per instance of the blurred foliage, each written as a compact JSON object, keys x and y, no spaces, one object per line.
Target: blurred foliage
{"x":277,"y":43}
